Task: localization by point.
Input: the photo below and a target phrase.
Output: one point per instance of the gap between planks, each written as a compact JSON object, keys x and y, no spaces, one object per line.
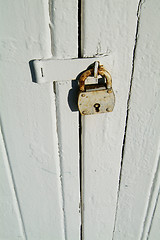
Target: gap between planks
{"x":80,"y":122}
{"x":154,"y":210}
{"x":152,"y":202}
{"x":128,"y":106}
{"x":13,"y":184}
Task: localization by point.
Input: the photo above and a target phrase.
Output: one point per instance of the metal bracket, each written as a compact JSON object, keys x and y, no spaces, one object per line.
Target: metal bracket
{"x":49,"y":70}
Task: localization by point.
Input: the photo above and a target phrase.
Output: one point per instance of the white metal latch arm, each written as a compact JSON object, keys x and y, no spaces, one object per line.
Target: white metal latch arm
{"x":49,"y":70}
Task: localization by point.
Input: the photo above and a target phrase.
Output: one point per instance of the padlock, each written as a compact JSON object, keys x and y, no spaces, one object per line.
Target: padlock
{"x":96,"y":98}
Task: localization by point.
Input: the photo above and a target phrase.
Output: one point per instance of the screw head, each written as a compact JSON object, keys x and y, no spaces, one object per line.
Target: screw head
{"x":83,"y":95}
{"x":109,"y":110}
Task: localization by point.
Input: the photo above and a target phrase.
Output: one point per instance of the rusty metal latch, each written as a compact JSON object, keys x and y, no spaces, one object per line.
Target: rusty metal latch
{"x":96,"y":98}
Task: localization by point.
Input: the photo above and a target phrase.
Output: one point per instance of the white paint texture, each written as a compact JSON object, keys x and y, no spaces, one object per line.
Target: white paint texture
{"x":9,"y":206}
{"x":152,"y":208}
{"x":26,"y":113}
{"x":39,"y":145}
{"x":155,"y":228}
{"x":142,"y":139}
{"x":69,"y":160}
{"x":64,"y":28}
{"x":113,"y":33}
{"x":64,"y":32}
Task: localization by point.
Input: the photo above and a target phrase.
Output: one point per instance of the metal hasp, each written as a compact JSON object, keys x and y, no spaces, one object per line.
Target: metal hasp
{"x":96,"y":98}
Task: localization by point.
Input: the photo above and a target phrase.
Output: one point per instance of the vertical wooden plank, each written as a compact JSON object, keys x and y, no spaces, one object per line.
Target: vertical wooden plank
{"x":155,"y":227}
{"x":9,"y":209}
{"x":68,"y":133}
{"x":108,"y":29}
{"x":64,"y":31}
{"x":151,"y":213}
{"x":28,"y":118}
{"x":142,"y":138}
{"x":64,"y":28}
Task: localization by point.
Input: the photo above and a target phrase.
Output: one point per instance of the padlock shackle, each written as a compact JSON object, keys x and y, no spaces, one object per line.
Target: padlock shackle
{"x":101,"y":71}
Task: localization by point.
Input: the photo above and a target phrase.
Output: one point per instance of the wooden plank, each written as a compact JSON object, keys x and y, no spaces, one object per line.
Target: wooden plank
{"x":155,"y":229}
{"x":28,"y":118}
{"x":65,"y":45}
{"x":142,"y":138}
{"x":108,"y":28}
{"x":9,"y":207}
{"x":68,"y":134}
{"x":151,"y":214}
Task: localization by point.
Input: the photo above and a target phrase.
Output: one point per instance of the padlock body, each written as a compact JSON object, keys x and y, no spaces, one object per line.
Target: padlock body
{"x":95,"y":99}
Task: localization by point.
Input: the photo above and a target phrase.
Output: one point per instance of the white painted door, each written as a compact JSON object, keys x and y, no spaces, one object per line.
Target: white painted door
{"x":66,"y":176}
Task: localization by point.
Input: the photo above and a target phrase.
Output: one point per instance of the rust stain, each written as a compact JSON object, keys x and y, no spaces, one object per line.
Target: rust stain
{"x":83,"y":77}
{"x":95,"y":98}
{"x":101,"y":71}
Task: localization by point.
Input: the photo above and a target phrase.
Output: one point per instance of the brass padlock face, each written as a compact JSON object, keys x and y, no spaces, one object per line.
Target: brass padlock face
{"x":95,"y":100}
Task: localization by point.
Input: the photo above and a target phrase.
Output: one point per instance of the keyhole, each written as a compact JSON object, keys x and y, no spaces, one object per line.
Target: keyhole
{"x":97,"y":106}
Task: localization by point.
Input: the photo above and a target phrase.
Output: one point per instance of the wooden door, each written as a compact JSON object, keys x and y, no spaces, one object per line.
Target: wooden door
{"x":66,"y":176}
